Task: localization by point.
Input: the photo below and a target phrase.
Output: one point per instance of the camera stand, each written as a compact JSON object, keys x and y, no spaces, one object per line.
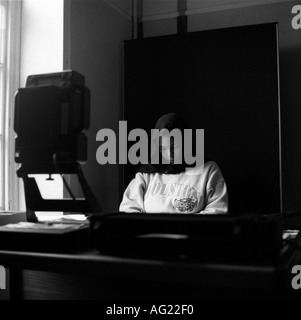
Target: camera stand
{"x":35,"y":202}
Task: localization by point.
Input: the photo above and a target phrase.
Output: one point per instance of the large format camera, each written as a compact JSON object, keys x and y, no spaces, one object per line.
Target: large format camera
{"x":51,"y":114}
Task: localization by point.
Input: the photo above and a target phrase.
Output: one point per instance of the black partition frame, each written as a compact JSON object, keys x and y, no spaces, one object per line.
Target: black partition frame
{"x":225,"y":81}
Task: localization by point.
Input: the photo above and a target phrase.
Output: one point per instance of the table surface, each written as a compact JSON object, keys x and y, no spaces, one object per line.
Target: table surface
{"x":188,"y":272}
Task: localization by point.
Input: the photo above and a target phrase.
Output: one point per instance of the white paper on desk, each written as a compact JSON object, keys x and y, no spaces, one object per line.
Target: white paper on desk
{"x":73,"y":218}
{"x":37,"y":226}
{"x":66,"y":219}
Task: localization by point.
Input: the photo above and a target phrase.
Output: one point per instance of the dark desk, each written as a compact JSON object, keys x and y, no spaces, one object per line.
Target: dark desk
{"x":86,"y":274}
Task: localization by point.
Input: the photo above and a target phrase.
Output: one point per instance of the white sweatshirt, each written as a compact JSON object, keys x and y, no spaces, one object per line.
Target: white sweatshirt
{"x":196,"y":192}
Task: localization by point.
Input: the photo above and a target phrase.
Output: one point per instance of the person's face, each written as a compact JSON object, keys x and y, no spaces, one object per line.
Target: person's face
{"x":171,"y":149}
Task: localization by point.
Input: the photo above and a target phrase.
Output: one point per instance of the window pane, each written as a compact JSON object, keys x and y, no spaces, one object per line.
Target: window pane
{"x":2,"y":31}
{"x":10,"y":28}
{"x":2,"y":63}
{"x":1,"y":173}
{"x":2,"y":96}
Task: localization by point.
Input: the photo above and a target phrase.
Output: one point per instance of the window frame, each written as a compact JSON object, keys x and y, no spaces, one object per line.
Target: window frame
{"x":11,"y":82}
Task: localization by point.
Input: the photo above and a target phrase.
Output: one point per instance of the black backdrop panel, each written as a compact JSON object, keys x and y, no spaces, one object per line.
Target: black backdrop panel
{"x":224,"y":81}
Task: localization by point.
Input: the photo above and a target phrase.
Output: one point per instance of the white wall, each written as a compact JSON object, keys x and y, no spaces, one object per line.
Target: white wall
{"x":94,"y":34}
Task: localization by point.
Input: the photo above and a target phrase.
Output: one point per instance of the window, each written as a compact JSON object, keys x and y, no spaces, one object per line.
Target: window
{"x":10,"y":23}
{"x":42,"y":52}
{"x":31,"y":42}
{"x":3,"y":37}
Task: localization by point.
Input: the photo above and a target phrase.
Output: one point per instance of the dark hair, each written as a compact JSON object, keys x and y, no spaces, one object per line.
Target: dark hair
{"x":168,"y":121}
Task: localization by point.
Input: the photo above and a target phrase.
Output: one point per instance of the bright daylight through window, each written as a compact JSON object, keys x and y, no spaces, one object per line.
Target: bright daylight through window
{"x":10,"y":23}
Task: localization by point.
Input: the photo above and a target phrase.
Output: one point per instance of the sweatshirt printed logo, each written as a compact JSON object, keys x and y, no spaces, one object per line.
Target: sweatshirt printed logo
{"x":172,"y":189}
{"x":184,"y":204}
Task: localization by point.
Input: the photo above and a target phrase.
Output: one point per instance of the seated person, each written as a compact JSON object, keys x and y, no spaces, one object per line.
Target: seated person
{"x":169,"y":188}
